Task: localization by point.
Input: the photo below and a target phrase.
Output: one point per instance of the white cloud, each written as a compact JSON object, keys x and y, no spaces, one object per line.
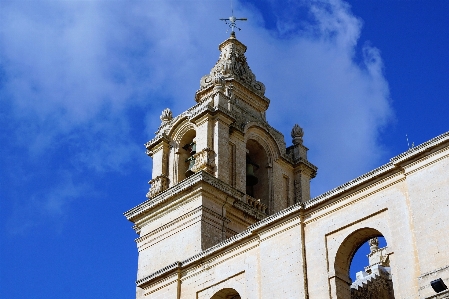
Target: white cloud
{"x":74,"y":69}
{"x":316,"y":79}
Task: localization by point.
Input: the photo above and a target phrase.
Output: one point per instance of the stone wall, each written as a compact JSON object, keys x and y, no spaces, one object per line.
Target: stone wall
{"x":305,"y":250}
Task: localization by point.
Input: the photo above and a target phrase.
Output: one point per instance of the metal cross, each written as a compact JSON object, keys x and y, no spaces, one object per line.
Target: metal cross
{"x":231,"y":20}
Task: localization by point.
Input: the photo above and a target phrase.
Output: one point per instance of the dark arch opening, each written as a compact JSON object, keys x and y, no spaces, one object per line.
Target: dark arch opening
{"x":227,"y":293}
{"x":373,"y":279}
{"x":360,"y":258}
{"x":257,"y":163}
{"x":185,"y":154}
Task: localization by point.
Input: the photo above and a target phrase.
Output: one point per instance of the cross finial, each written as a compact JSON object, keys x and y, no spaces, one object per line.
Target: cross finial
{"x":231,"y":21}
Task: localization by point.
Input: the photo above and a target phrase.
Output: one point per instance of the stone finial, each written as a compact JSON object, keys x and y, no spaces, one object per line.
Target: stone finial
{"x":166,"y":115}
{"x":297,"y":134}
{"x":373,"y":244}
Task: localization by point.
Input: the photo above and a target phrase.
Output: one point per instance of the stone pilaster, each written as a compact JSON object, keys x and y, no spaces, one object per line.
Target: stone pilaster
{"x":204,"y":129}
{"x":159,"y":152}
{"x":221,"y":147}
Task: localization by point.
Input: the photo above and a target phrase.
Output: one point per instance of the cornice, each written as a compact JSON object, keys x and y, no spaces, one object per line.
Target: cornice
{"x":424,"y":161}
{"x":135,"y":213}
{"x":302,"y":164}
{"x":350,"y":185}
{"x":415,"y":151}
{"x":396,"y":164}
{"x":191,"y":114}
{"x":334,"y":205}
{"x":175,"y":266}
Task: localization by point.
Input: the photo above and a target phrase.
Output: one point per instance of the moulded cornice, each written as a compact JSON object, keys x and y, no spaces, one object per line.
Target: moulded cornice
{"x":395,"y":164}
{"x":150,"y":145}
{"x":139,"y":211}
{"x":426,"y":161}
{"x":302,"y":164}
{"x":415,"y":151}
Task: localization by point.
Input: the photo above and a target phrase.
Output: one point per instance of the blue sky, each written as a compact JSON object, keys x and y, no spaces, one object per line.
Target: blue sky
{"x":82,"y":85}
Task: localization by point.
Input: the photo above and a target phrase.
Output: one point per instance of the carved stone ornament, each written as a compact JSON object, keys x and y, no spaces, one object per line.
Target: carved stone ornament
{"x":158,"y":185}
{"x":204,"y":160}
{"x":297,"y":134}
{"x":219,"y":79}
{"x":166,"y":115}
{"x":373,"y":244}
{"x":232,"y":64}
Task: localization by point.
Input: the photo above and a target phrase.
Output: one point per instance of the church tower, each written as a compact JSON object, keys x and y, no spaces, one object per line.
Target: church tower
{"x":218,"y":168}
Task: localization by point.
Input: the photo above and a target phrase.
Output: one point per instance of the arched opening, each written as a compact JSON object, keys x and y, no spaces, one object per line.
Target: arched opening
{"x":187,"y":149}
{"x":360,"y":260}
{"x":372,"y":279}
{"x":226,"y":293}
{"x":257,"y":184}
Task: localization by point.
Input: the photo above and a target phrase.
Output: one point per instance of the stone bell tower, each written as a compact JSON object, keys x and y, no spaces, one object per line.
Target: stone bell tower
{"x":217,"y":168}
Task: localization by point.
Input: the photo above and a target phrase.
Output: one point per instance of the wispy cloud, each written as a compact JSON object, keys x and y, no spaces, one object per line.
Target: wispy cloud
{"x":77,"y":73}
{"x":339,"y":96}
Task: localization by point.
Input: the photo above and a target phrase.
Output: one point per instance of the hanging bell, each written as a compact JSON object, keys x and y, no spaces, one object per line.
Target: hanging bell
{"x":190,"y":147}
{"x":251,"y":178}
{"x":191,"y":161}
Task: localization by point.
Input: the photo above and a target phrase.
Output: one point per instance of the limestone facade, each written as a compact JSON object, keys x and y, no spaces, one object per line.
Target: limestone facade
{"x":205,"y":233}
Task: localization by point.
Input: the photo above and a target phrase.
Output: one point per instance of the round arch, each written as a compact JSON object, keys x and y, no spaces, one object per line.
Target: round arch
{"x":181,"y":134}
{"x":262,"y":150}
{"x":180,"y":129}
{"x":344,"y":256}
{"x":254,"y":131}
{"x":226,"y":293}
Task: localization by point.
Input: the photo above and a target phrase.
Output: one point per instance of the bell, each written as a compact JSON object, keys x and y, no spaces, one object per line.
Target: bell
{"x":251,"y":178}
{"x":191,"y":161}
{"x":190,"y":147}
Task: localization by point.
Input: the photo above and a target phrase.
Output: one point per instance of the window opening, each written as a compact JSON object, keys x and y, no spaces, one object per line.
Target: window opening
{"x":373,"y":280}
{"x":191,"y":149}
{"x":251,"y":178}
